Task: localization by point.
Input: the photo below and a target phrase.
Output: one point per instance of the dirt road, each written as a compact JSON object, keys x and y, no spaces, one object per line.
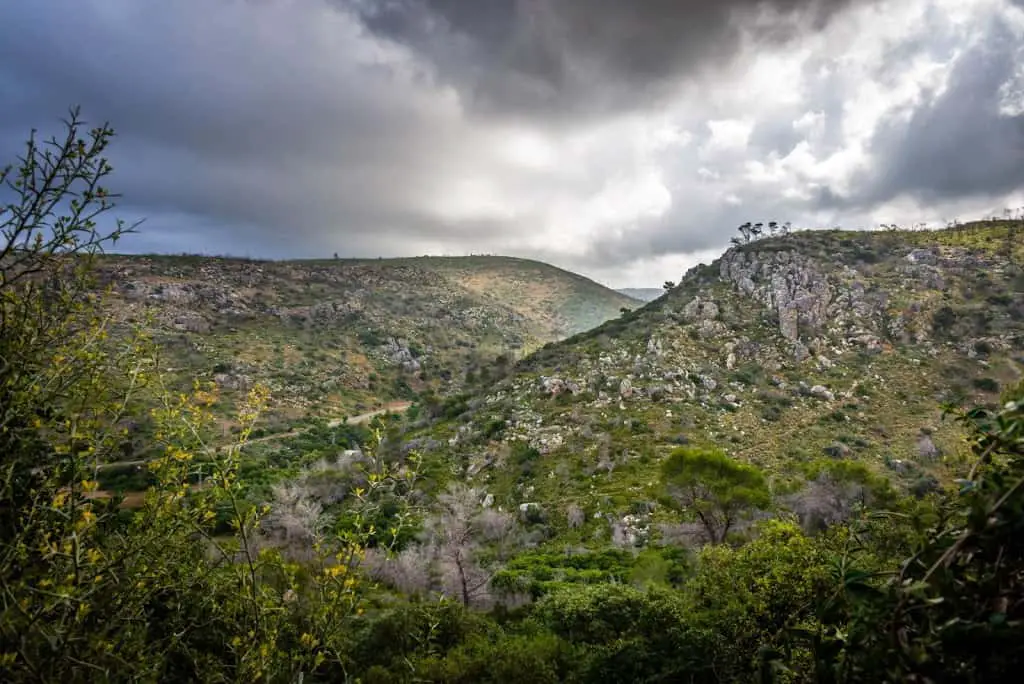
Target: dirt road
{"x":392,"y":407}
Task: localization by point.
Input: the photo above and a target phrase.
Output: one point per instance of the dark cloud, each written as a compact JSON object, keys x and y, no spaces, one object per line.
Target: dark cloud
{"x":567,"y":58}
{"x":959,"y":144}
{"x":254,"y":123}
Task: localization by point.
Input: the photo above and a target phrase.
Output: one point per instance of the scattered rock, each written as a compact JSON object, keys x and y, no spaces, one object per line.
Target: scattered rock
{"x":926,"y":448}
{"x":232,"y":381}
{"x":922,"y":256}
{"x":821,"y":392}
{"x":837,"y":450}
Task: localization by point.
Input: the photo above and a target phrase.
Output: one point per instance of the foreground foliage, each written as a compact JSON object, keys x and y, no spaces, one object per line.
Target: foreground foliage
{"x":191,"y":587}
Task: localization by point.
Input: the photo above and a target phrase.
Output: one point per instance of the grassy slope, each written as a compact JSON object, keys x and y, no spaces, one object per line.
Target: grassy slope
{"x":563,"y":302}
{"x":316,"y":330}
{"x":601,"y":450}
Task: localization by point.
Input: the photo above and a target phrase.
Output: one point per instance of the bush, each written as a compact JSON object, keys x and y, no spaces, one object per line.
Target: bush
{"x":986,"y":385}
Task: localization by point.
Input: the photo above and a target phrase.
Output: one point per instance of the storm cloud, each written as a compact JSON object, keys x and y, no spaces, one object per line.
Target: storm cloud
{"x":622,"y":140}
{"x":573,"y":58}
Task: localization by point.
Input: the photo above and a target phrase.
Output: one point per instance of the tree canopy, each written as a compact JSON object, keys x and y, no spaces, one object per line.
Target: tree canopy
{"x":716,"y":489}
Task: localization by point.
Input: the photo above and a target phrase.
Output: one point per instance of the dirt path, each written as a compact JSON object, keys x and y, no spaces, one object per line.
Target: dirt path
{"x":392,"y":407}
{"x":135,"y":499}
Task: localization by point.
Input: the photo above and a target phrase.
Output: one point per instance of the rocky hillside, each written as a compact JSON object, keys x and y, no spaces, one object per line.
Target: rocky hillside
{"x":342,"y":336}
{"x":786,"y":352}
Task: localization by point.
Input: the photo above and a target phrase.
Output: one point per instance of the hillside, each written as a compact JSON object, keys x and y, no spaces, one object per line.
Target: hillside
{"x":342,"y":336}
{"x":785,"y":351}
{"x":644,"y":294}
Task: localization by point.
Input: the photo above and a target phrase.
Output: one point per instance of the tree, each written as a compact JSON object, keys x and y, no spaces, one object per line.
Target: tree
{"x":954,"y":611}
{"x":161,"y":595}
{"x":460,"y":530}
{"x":668,"y":285}
{"x":462,"y":547}
{"x":51,"y":329}
{"x":719,"y":491}
{"x":746,"y":230}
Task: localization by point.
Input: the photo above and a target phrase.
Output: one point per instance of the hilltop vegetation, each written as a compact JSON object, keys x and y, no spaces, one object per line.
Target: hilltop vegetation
{"x":649,"y":501}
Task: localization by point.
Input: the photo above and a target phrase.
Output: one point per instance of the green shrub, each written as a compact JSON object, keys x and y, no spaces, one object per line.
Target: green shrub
{"x":986,"y":385}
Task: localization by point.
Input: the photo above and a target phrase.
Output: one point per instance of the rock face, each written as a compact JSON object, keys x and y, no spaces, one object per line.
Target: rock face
{"x":700,"y":309}
{"x":818,"y":303}
{"x":788,"y":283}
{"x":400,"y":354}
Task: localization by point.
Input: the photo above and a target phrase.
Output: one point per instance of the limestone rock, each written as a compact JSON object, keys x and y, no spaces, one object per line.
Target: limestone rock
{"x":821,"y":392}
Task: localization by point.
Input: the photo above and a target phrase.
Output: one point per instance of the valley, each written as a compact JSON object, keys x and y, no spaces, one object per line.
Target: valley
{"x":790,"y":353}
{"x":512,"y":342}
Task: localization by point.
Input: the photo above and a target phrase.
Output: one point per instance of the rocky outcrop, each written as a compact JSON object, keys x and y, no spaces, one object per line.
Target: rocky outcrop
{"x":786,"y":282}
{"x":398,"y":351}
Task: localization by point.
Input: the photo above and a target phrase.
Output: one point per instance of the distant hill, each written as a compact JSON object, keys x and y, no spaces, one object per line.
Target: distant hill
{"x":346,"y":335}
{"x":644,"y":294}
{"x":834,"y":345}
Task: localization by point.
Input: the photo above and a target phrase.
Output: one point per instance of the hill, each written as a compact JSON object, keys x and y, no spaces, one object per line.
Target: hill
{"x":785,"y":352}
{"x":343,"y":336}
{"x":644,"y":294}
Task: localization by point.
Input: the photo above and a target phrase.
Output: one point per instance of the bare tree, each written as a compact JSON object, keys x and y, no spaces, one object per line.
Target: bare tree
{"x":295,"y":519}
{"x":409,"y":571}
{"x":470,"y":542}
{"x":826,"y":501}
{"x":574,"y":516}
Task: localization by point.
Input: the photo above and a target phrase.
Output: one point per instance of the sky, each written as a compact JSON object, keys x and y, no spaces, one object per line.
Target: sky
{"x":622,"y":140}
